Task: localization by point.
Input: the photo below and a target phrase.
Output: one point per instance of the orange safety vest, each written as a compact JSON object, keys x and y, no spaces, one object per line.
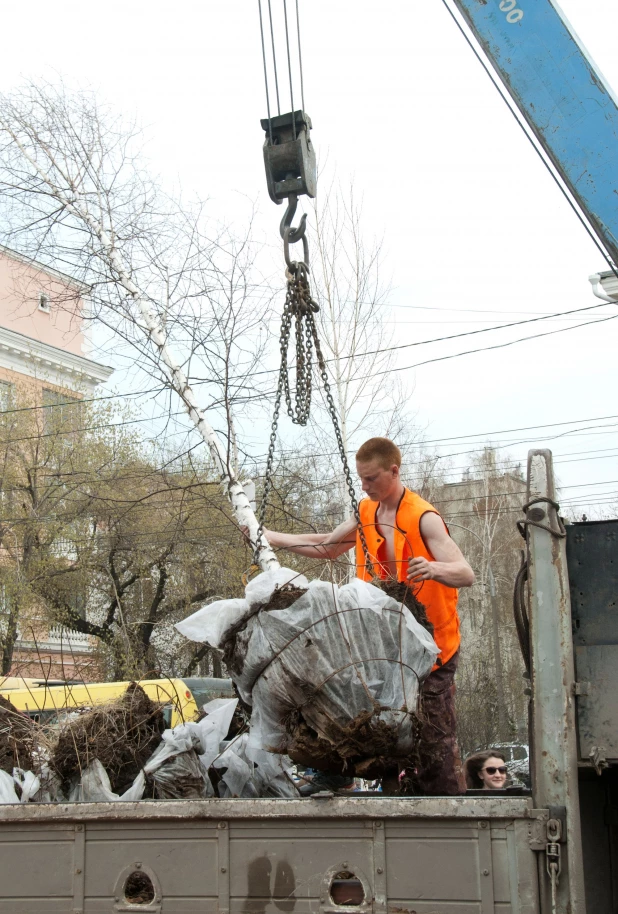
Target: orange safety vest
{"x":439,"y":600}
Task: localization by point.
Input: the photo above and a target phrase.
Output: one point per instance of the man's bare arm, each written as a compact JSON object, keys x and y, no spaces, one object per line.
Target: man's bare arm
{"x":449,"y":566}
{"x":316,"y":545}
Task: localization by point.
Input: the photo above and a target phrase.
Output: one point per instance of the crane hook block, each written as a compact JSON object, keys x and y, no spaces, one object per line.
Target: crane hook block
{"x":289,"y":156}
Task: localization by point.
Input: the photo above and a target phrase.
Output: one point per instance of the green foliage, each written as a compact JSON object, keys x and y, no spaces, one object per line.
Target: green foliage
{"x":95,"y":537}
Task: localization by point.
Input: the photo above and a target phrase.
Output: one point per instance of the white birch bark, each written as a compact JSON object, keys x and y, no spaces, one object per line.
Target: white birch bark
{"x":233,"y":488}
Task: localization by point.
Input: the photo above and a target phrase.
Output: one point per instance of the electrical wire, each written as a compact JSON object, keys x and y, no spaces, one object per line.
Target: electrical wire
{"x":455,"y":336}
{"x":198,"y":381}
{"x":267,"y":395}
{"x":291,"y":453}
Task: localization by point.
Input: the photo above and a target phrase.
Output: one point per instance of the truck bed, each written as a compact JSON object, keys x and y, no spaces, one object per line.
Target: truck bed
{"x":442,"y":855}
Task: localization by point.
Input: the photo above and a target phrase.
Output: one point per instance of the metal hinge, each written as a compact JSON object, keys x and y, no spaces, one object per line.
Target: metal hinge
{"x":597,"y":757}
{"x":538,"y":827}
{"x":581,"y":688}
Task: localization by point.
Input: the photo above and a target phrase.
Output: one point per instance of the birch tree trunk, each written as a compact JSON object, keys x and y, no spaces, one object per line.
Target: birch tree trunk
{"x":71,"y":177}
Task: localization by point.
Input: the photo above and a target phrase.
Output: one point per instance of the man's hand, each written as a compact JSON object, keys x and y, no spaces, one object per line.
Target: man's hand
{"x":448,"y":567}
{"x":245,"y":532}
{"x":420,"y":569}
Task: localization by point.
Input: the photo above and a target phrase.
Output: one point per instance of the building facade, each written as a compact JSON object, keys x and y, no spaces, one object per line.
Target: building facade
{"x":45,"y":361}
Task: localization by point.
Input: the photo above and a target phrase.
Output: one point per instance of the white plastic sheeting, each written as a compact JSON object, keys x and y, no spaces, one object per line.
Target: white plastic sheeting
{"x":214,"y":622}
{"x":252,"y":772}
{"x":189,"y":750}
{"x":334,"y":655}
{"x":18,"y":788}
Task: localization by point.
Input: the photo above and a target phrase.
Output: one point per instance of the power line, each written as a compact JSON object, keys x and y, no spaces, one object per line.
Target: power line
{"x":455,"y":336}
{"x":63,"y":433}
{"x":78,"y":401}
{"x":452,"y":438}
{"x":268,"y":395}
{"x":198,"y":381}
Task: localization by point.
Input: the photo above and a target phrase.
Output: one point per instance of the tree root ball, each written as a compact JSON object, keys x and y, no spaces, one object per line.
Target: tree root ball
{"x":122,"y":735}
{"x":17,"y":733}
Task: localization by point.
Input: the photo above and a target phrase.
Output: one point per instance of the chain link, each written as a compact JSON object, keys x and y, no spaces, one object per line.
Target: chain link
{"x":344,"y":460}
{"x":301,"y":308}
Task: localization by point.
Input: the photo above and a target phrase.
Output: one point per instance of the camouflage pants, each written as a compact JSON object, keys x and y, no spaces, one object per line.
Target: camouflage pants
{"x":439,"y":771}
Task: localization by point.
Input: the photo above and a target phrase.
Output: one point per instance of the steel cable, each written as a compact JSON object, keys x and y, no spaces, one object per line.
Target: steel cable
{"x":265,"y":70}
{"x":287,"y":43}
{"x":272,"y":41}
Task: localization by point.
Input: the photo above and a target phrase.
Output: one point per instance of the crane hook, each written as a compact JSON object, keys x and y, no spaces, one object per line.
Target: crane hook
{"x":293,"y":234}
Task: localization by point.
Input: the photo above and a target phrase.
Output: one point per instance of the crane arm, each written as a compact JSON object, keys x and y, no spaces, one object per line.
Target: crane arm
{"x":562,"y":96}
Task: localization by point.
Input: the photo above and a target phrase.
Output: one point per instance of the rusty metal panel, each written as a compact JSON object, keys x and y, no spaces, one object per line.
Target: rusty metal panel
{"x":501,"y":872}
{"x":417,"y":865}
{"x":346,"y":808}
{"x":256,"y":865}
{"x":592,"y":552}
{"x":523,"y":867}
{"x":553,"y":730}
{"x":592,"y":556}
{"x":597,"y":667}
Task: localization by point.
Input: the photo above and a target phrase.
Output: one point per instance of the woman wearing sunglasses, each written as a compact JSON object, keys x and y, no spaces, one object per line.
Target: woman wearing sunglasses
{"x":486,"y":770}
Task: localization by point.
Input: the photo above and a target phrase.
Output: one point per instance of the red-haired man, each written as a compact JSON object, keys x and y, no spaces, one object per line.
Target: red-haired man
{"x":407,"y":540}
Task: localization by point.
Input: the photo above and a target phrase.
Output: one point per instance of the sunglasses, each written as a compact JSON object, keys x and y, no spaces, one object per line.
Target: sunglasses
{"x":491,"y":770}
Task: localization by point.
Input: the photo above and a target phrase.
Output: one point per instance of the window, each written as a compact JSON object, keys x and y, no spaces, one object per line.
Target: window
{"x":44,"y":304}
{"x":61,"y":411}
{"x":6,"y":395}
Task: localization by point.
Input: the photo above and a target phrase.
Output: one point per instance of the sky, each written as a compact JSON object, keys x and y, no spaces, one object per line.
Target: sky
{"x":475,"y":232}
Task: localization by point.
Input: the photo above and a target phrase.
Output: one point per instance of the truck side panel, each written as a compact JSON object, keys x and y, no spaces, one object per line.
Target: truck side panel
{"x":468,"y":856}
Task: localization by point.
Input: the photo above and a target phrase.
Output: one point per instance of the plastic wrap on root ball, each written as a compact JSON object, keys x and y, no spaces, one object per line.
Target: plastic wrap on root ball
{"x":253,"y":773}
{"x":335,"y":678}
{"x":213,"y":623}
{"x":216,"y":622}
{"x":260,"y":589}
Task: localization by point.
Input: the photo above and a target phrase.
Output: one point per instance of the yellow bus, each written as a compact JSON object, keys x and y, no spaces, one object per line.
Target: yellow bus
{"x":180,"y":700}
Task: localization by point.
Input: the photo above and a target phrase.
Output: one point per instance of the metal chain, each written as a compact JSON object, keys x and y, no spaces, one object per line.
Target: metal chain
{"x":269,"y":465}
{"x":300,"y":306}
{"x":297,"y":303}
{"x":344,"y":460}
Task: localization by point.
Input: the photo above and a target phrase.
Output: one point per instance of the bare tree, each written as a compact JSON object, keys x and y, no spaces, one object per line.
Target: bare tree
{"x":481,"y":509}
{"x":97,"y":538}
{"x":74,"y":194}
{"x":355,"y":332}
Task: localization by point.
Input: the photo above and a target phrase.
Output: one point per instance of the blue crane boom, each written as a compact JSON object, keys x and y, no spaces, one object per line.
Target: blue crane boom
{"x":564,"y":99}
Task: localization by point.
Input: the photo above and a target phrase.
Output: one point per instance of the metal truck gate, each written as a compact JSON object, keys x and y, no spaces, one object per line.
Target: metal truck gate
{"x":464,"y":855}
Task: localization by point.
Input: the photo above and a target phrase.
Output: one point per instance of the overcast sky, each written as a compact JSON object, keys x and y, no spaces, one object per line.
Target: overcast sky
{"x":474,"y":230}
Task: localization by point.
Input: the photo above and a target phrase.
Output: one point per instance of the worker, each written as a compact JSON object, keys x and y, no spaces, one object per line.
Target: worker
{"x":407,"y":540}
{"x":486,"y":770}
